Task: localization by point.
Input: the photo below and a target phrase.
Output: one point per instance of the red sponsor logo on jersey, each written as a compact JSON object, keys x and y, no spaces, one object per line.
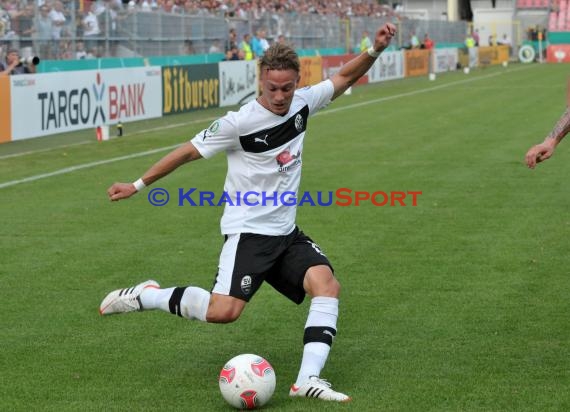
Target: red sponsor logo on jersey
{"x":284,"y":157}
{"x":286,"y":160}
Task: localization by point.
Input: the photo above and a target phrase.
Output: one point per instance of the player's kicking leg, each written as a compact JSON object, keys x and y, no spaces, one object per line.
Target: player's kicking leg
{"x":220,"y":306}
{"x":188,"y":302}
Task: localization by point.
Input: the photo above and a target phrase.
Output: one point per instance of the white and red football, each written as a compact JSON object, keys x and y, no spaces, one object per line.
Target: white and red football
{"x":247,"y":381}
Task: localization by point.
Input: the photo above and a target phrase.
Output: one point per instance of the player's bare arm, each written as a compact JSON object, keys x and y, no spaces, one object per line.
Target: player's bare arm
{"x":357,"y":67}
{"x":544,"y":150}
{"x":179,"y":156}
{"x":562,"y":127}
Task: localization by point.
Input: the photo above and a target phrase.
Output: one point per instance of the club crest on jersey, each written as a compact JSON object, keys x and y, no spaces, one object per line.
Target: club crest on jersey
{"x":246,"y":285}
{"x":299,"y":122}
{"x":286,"y":160}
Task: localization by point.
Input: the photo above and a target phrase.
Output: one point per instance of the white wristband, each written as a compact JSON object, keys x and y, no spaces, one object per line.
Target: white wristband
{"x":139,"y":185}
{"x":373,"y":53}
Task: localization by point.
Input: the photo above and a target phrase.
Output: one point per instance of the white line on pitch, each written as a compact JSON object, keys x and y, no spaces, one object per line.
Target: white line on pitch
{"x":84,"y":166}
{"x":414,"y":92}
{"x":44,"y":150}
{"x":153,"y":129}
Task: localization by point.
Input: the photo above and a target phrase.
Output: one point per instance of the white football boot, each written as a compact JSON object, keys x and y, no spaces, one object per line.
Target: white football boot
{"x":125,"y":300}
{"x":318,"y":388}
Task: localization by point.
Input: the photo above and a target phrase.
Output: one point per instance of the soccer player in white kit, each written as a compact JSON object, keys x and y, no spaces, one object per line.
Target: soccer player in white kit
{"x":263,"y":142}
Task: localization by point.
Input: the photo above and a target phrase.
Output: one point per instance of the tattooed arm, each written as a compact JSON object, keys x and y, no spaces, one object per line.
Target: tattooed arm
{"x":544,"y":150}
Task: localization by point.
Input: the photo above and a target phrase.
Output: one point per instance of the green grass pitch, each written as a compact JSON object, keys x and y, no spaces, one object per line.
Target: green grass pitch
{"x":461,"y":303}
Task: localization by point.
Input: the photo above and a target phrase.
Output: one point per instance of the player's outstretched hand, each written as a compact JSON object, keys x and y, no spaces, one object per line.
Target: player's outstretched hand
{"x":384,"y":36}
{"x":121,"y":191}
{"x":539,"y":153}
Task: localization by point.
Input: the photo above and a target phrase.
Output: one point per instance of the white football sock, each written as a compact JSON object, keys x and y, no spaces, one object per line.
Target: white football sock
{"x":323,"y":313}
{"x":315,"y":355}
{"x":193,"y":303}
{"x":153,"y":298}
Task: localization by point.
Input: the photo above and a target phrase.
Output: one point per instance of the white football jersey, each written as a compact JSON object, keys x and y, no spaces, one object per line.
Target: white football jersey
{"x":264,"y":152}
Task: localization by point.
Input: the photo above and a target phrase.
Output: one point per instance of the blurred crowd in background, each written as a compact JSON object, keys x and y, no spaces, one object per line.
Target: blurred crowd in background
{"x":49,"y":28}
{"x":240,"y":29}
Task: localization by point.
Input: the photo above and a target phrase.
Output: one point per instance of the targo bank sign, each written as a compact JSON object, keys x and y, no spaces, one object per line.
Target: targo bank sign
{"x":60,"y":102}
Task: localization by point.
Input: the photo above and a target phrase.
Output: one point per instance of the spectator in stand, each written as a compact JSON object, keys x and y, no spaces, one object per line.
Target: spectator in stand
{"x":145,"y":6}
{"x":177,"y":7}
{"x":469,"y":41}
{"x":100,"y":6}
{"x":262,"y":35}
{"x":255,"y":45}
{"x":278,"y":19}
{"x":281,"y":39}
{"x":215,"y":47}
{"x":91,"y":29}
{"x":245,"y":47}
{"x":504,"y":41}
{"x":232,"y":40}
{"x":475,"y":35}
{"x":4,"y":23}
{"x":80,"y":52}
{"x":259,"y":43}
{"x":533,"y":33}
{"x":234,"y":54}
{"x":131,"y":7}
{"x":44,"y":32}
{"x":166,"y":6}
{"x":241,"y":11}
{"x":65,"y":50}
{"x":188,"y":47}
{"x":428,"y":43}
{"x":58,"y":21}
{"x":109,"y":17}
{"x":414,"y":41}
{"x":365,"y":42}
{"x":23,"y":21}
